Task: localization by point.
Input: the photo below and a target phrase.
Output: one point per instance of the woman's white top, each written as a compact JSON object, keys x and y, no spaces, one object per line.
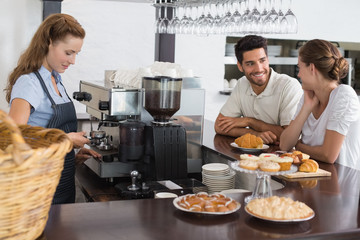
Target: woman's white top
{"x":342,"y":114}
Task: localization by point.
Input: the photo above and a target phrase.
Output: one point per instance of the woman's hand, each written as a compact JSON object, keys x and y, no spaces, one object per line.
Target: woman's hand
{"x":310,"y":100}
{"x":84,"y":154}
{"x":78,"y":139}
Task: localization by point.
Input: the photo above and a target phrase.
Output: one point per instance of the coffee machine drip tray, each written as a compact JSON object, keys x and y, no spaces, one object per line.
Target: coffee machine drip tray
{"x":110,"y":169}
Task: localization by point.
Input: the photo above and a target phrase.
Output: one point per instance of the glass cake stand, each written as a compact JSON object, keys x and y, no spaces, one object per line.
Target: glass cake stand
{"x":263,"y":187}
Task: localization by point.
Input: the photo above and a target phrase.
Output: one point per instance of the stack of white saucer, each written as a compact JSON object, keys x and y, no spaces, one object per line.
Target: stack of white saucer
{"x":218,"y":177}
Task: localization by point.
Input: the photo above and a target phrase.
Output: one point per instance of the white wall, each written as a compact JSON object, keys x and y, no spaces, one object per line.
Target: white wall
{"x":120,"y":34}
{"x":18,"y":21}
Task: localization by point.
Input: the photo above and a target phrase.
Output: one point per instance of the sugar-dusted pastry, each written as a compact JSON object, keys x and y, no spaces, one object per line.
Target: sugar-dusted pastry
{"x":269,"y":166}
{"x":308,"y":165}
{"x":249,"y":141}
{"x":268,"y":156}
{"x":284,"y":162}
{"x":231,"y":204}
{"x":249,"y":164}
{"x":301,"y":155}
{"x":209,"y":207}
{"x":249,"y":157}
{"x":295,"y":157}
{"x":279,"y":208}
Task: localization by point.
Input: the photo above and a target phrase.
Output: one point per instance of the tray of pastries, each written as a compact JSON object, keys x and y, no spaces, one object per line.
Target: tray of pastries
{"x":279,"y":209}
{"x":306,"y":167}
{"x":203,"y":203}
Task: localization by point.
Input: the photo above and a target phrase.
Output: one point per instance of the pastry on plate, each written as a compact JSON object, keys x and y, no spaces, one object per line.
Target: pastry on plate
{"x":284,"y":162}
{"x":301,"y":155}
{"x":309,"y":165}
{"x":295,"y":157}
{"x":269,"y":166}
{"x":249,"y":164}
{"x":249,"y":141}
{"x":268,"y":156}
{"x":202,"y":202}
{"x":249,"y":157}
{"x":279,"y":208}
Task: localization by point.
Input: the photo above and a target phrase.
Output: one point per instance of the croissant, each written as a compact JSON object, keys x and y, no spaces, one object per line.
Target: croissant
{"x":249,"y":141}
{"x":301,"y":155}
{"x":309,"y":165}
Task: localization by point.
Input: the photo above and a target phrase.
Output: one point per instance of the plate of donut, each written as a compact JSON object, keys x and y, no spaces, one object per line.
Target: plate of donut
{"x":203,"y":203}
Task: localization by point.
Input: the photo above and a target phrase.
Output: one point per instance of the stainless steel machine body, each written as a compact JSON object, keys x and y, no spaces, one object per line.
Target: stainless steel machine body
{"x":112,"y":102}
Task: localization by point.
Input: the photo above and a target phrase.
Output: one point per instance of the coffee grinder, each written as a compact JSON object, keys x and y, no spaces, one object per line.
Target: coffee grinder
{"x":157,"y":145}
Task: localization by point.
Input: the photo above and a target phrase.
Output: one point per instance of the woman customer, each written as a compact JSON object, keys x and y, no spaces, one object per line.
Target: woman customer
{"x":327,"y":119}
{"x":37,"y":96}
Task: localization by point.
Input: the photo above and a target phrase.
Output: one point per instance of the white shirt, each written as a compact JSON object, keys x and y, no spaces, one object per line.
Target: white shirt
{"x":342,"y":114}
{"x":275,"y":105}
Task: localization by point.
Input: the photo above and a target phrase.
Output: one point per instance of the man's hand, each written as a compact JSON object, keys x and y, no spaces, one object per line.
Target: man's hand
{"x":268,"y":137}
{"x":228,"y":123}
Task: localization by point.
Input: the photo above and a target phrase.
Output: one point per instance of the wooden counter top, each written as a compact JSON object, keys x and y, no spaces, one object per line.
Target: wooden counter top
{"x":334,"y":199}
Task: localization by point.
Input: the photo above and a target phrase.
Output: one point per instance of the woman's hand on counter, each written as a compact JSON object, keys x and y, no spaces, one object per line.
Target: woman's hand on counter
{"x":78,"y":139}
{"x":84,"y":154}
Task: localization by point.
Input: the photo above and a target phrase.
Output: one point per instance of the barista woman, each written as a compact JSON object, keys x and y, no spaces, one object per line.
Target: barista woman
{"x":328,"y":115}
{"x":37,"y":96}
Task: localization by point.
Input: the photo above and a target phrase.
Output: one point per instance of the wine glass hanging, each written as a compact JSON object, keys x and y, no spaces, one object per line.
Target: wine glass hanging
{"x":228,"y":17}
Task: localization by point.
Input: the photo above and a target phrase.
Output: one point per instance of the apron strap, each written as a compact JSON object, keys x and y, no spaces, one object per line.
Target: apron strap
{"x":45,"y":88}
{"x":66,"y":92}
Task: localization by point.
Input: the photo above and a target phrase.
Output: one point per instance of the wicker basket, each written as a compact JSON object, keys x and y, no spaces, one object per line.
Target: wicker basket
{"x":31,"y":161}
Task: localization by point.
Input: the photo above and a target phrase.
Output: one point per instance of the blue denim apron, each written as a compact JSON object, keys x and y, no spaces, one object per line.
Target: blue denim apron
{"x":64,"y":118}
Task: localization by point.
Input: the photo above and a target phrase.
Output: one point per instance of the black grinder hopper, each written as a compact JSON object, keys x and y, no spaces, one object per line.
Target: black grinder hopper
{"x":165,"y":142}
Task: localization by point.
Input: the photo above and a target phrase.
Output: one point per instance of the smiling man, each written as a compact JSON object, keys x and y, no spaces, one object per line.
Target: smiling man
{"x":263,"y":101}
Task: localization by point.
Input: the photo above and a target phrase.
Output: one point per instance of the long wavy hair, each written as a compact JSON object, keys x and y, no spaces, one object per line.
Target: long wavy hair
{"x":54,"y":28}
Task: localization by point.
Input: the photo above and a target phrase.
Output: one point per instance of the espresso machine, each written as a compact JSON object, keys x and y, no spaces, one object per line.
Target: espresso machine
{"x":140,"y":139}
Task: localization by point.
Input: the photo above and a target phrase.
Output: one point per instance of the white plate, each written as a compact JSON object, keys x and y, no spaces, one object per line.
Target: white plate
{"x":176,"y":200}
{"x":220,"y":188}
{"x":215,"y":177}
{"x":228,"y":191}
{"x":220,"y":173}
{"x":218,"y":180}
{"x":250,"y":150}
{"x":281,"y":221}
{"x":221,"y":183}
{"x":215,"y":167}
